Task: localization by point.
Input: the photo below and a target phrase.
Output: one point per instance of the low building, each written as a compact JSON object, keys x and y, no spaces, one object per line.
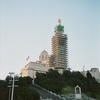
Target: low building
{"x":31,"y":68}
{"x":94,"y":73}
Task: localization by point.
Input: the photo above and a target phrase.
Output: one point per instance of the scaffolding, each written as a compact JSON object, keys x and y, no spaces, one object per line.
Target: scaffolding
{"x":60,"y":49}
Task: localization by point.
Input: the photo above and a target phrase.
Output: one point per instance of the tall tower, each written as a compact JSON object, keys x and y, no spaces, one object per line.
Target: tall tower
{"x":60,"y":47}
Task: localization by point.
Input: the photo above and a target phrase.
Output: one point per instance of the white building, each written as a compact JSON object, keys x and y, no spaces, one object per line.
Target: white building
{"x":31,"y":68}
{"x":40,"y":66}
{"x":94,"y":73}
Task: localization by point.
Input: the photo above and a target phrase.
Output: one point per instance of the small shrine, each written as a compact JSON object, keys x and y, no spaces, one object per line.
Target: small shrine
{"x":77,"y":92}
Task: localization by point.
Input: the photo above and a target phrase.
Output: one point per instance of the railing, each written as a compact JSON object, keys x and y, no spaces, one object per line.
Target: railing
{"x":51,"y":95}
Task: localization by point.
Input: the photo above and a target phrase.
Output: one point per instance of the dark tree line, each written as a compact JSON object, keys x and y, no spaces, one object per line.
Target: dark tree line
{"x":58,"y":83}
{"x":24,"y":91}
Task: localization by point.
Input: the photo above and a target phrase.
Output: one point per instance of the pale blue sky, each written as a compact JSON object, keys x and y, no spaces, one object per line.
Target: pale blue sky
{"x":27,"y":26}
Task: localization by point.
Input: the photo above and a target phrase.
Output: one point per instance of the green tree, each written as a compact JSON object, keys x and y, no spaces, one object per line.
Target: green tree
{"x":23,"y":92}
{"x":26,"y":93}
{"x":89,"y":76}
{"x":3,"y":90}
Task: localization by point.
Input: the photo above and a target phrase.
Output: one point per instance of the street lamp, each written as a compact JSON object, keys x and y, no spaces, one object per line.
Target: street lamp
{"x":12,"y":74}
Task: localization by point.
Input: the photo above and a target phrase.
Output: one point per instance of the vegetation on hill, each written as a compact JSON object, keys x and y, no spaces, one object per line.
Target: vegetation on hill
{"x":66,"y":82}
{"x":24,"y":91}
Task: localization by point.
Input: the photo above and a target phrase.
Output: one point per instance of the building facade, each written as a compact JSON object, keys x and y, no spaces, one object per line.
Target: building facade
{"x":59,"y":48}
{"x":31,"y":68}
{"x":94,"y":73}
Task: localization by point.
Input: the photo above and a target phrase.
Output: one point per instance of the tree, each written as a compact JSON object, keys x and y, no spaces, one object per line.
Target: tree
{"x":66,"y":75}
{"x":4,"y":90}
{"x":89,"y":76}
{"x":26,"y":93}
{"x":23,"y":92}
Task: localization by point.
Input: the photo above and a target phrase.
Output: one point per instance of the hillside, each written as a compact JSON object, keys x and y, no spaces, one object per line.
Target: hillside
{"x":65,"y":83}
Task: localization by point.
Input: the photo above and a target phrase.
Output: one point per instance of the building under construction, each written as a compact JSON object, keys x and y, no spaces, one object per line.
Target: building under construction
{"x":59,"y":48}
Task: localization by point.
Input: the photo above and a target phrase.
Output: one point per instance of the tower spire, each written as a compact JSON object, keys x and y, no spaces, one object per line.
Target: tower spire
{"x":59,"y":21}
{"x":59,"y":26}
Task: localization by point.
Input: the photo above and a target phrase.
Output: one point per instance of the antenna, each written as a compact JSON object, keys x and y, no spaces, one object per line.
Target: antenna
{"x":83,"y":68}
{"x":84,"y":71}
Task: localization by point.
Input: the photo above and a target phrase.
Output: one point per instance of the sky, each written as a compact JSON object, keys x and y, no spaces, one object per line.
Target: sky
{"x":27,"y":26}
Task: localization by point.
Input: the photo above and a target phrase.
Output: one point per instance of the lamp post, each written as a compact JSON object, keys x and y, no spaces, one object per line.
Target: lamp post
{"x":12,"y":74}
{"x":12,"y":89}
